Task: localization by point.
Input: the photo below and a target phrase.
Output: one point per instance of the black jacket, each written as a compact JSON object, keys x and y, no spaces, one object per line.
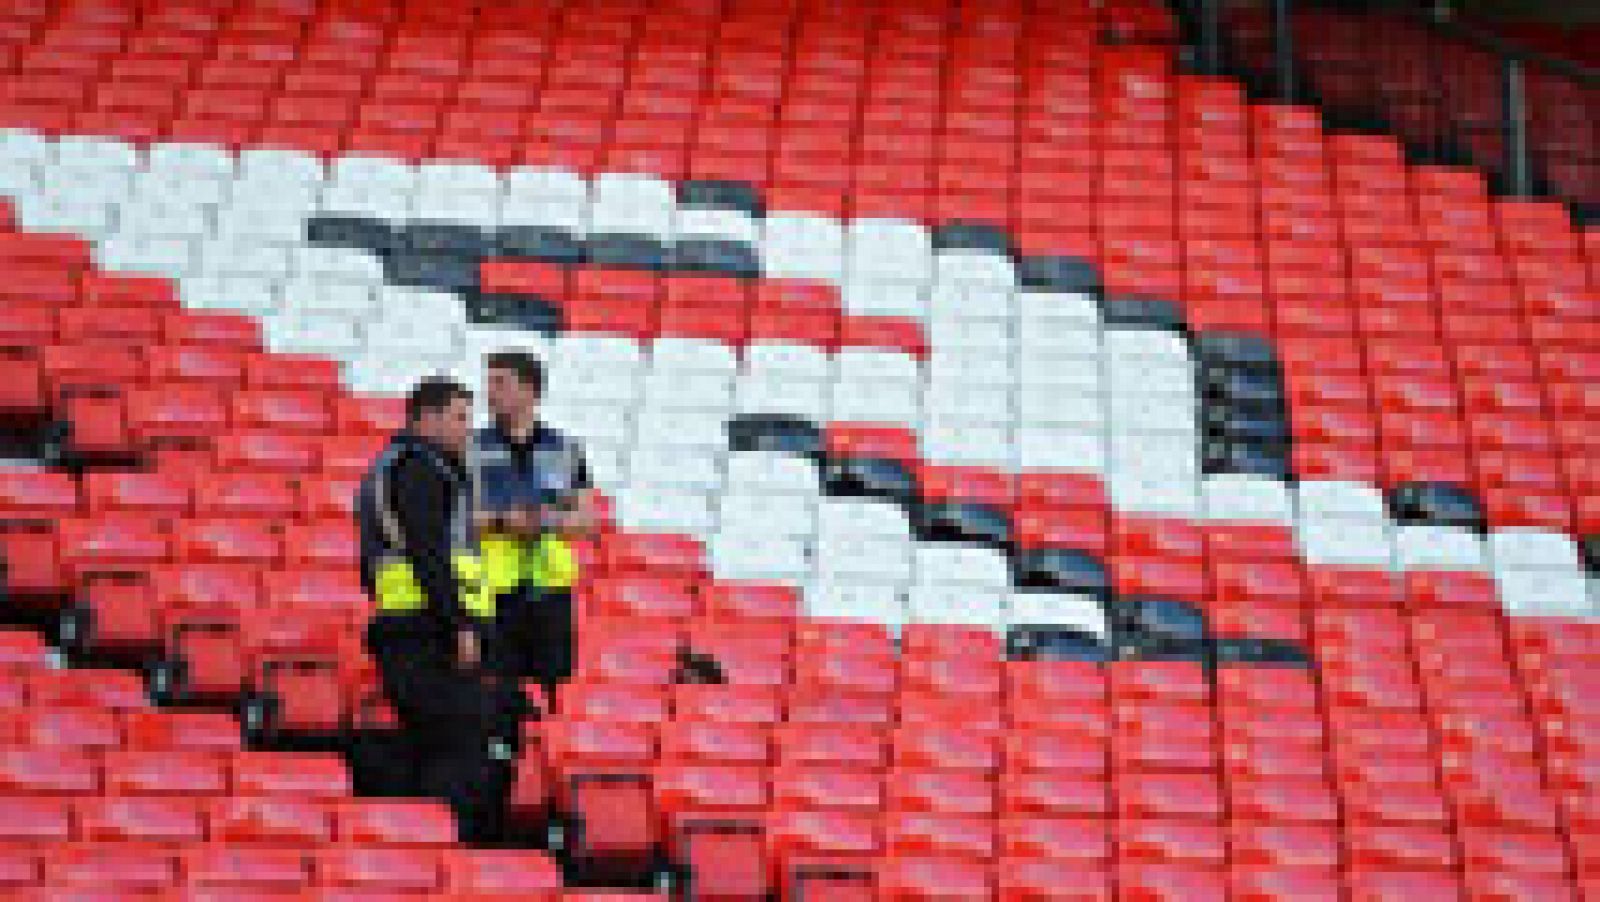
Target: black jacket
{"x":425,"y":493}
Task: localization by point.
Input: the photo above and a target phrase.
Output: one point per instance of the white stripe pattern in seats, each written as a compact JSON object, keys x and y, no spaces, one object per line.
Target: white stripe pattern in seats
{"x":1118,"y":403}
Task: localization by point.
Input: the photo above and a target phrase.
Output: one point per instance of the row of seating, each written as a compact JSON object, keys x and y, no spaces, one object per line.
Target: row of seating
{"x":365,"y":874}
{"x":130,"y":540}
{"x":1371,"y":797}
{"x":1357,"y":180}
{"x":1078,"y":845}
{"x":54,"y":764}
{"x":1110,"y":550}
{"x":140,"y":870}
{"x":1058,"y":813}
{"x":1385,"y":688}
{"x":1127,"y":741}
{"x":1099,"y":213}
{"x":1240,"y":564}
{"x":429,"y":31}
{"x":1296,"y":169}
{"x":185,"y":817}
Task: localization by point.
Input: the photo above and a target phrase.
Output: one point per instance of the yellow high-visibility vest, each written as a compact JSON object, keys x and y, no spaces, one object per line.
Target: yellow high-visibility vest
{"x":399,"y":592}
{"x":551,"y":563}
{"x":502,"y":561}
{"x":547,"y":562}
{"x":395,"y":582}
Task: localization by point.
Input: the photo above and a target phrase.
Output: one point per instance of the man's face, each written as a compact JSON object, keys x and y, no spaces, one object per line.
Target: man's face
{"x":450,"y":426}
{"x":510,"y":398}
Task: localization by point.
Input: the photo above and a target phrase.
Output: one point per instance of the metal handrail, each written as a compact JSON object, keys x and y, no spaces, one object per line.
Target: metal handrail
{"x":1493,"y":43}
{"x":1513,"y":142}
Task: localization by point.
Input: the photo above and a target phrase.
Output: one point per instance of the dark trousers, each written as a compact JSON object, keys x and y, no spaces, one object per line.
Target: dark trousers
{"x":450,"y":720}
{"x":534,"y":635}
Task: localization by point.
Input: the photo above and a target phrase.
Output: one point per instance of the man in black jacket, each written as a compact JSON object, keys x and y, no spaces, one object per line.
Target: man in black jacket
{"x":433,"y":620}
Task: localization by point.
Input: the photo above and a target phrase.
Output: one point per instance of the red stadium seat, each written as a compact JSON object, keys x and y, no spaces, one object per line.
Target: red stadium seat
{"x":713,"y":742}
{"x":906,"y":878}
{"x":132,"y":819}
{"x":111,"y":690}
{"x":266,"y":451}
{"x":28,"y":495}
{"x":180,"y":731}
{"x":311,"y":775}
{"x":386,"y":823}
{"x":841,"y":745}
{"x":226,"y":868}
{"x":35,"y":820}
{"x":48,"y":771}
{"x":378,"y":868}
{"x":172,"y":772}
{"x":615,"y":825}
{"x":620,"y":703}
{"x":749,"y":601}
{"x":66,"y":727}
{"x":271,"y":821}
{"x":940,"y":791}
{"x":1032,"y":878}
{"x":1263,"y":884}
{"x":487,"y":872}
{"x":113,"y":866}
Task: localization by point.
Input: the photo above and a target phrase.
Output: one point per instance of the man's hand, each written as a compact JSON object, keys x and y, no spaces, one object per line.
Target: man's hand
{"x":486,"y":521}
{"x":468,"y":652}
{"x":523,"y":521}
{"x":580,"y":519}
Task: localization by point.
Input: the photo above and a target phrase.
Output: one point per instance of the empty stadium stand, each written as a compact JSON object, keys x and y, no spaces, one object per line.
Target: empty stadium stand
{"x":1094,"y":484}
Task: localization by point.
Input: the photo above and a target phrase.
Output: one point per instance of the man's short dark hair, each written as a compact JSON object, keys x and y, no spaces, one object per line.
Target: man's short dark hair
{"x":527,"y":368}
{"x":433,"y":394}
